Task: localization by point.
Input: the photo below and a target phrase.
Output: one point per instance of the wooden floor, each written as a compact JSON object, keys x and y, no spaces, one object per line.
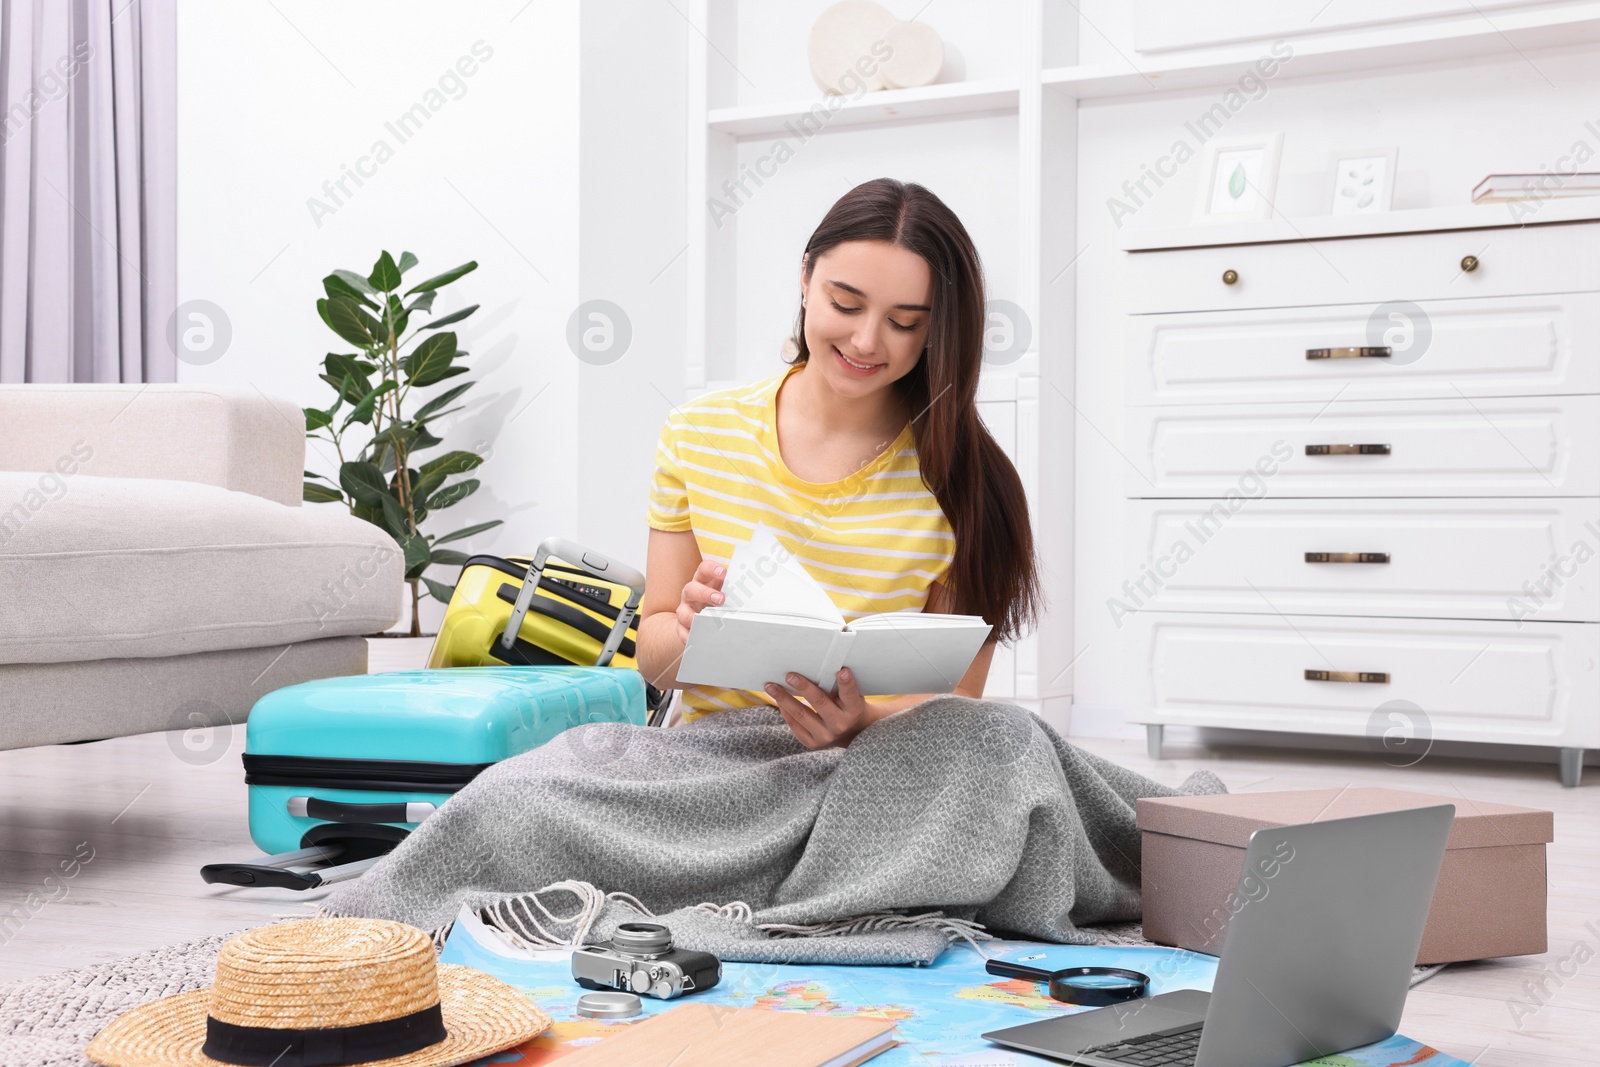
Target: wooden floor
{"x":153,"y":810}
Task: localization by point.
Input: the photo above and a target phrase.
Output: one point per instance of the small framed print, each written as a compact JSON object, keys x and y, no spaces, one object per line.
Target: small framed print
{"x":1238,"y":178}
{"x":1362,"y":182}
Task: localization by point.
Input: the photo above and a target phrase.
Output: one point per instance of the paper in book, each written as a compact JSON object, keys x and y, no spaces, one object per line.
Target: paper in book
{"x":763,"y":576}
{"x":778,"y":619}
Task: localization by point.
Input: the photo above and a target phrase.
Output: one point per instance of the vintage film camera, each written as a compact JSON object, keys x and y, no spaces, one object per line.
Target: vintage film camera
{"x":640,"y":958}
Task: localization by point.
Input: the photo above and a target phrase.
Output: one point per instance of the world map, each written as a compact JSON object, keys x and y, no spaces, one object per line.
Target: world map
{"x":941,"y":1011}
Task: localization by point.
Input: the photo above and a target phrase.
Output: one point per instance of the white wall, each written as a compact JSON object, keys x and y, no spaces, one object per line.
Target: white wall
{"x":275,"y":99}
{"x":1453,"y":123}
{"x":633,"y":236}
{"x":557,"y":165}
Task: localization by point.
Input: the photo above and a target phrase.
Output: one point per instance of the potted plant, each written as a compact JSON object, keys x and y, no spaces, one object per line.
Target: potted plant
{"x":380,"y":388}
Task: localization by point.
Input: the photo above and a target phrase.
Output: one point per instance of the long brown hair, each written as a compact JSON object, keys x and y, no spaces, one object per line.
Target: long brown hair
{"x":995,"y":573}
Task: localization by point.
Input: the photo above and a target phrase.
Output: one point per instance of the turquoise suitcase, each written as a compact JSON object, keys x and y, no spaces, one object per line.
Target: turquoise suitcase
{"x":341,"y":770}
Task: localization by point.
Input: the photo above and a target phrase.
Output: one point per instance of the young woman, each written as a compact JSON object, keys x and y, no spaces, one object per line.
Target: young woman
{"x":866,"y":457}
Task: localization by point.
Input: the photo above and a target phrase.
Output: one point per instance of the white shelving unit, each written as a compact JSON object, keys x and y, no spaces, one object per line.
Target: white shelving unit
{"x":889,"y":105}
{"x":1001,"y":147}
{"x":1400,"y":39}
{"x":1334,"y":227}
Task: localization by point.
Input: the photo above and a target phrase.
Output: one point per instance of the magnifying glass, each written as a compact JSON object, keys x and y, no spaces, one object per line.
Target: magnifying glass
{"x":1094,"y":986}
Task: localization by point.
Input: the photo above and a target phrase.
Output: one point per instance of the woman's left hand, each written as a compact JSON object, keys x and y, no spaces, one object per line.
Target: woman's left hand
{"x":830,"y":720}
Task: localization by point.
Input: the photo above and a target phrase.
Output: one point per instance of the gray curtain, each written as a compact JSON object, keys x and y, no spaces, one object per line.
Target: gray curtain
{"x":88,"y":190}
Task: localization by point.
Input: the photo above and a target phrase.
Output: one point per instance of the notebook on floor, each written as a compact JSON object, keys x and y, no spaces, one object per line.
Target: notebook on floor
{"x":711,"y":1035}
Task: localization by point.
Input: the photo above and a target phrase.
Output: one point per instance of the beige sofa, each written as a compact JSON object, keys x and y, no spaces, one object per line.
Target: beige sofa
{"x":157,"y":569}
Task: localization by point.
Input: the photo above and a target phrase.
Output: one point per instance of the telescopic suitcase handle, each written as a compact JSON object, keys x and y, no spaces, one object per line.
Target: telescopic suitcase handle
{"x":591,"y":563}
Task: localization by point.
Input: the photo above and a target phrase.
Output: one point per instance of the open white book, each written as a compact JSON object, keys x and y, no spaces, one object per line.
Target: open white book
{"x":776,"y":619}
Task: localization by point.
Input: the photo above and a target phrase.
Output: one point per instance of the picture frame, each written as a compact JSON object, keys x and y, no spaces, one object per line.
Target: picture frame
{"x":1238,"y":178}
{"x":1361,"y":182}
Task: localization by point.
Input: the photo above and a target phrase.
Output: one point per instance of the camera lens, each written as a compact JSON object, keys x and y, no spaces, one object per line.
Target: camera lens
{"x":645,"y":939}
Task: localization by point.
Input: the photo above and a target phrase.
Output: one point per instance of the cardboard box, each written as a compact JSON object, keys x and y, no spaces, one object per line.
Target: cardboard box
{"x":1490,"y":898}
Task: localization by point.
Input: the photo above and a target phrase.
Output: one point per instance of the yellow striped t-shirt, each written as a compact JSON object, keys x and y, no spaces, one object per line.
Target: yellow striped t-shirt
{"x":875,"y":540}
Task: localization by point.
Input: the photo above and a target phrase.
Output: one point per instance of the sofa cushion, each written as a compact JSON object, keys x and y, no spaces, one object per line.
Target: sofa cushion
{"x":95,"y":568}
{"x":233,"y":436}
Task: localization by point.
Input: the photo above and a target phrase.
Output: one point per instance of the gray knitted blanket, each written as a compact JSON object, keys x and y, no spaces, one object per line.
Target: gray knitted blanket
{"x":956,"y":818}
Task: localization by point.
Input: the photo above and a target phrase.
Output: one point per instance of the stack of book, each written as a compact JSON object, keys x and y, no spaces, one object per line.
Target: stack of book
{"x":1505,"y":188}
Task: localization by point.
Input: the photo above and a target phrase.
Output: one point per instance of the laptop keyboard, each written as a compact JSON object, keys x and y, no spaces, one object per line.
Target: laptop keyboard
{"x":1156,"y":1050}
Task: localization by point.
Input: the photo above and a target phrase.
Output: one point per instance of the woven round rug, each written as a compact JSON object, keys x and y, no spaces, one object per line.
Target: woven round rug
{"x":47,"y":1022}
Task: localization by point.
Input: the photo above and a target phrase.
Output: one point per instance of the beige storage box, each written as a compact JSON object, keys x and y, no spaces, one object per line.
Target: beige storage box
{"x":1490,"y":900}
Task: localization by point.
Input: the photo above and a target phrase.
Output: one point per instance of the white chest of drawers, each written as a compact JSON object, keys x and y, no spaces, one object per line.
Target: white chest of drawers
{"x":1363,"y":486}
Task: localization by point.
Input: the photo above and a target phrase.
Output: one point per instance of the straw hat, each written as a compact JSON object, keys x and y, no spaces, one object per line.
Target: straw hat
{"x":326,"y":992}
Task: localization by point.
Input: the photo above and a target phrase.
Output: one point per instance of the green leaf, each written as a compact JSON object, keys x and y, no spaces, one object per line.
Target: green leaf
{"x":413,"y":476}
{"x":398,"y":315}
{"x":424,"y":440}
{"x":334,"y":285}
{"x":455,"y":462}
{"x":430,"y":360}
{"x":453,"y":494}
{"x":440,"y":592}
{"x":394,"y":517}
{"x":376,"y":516}
{"x":364,"y":481}
{"x":449,"y":557}
{"x":428,"y":409}
{"x":362,"y":411}
{"x":467,"y":532}
{"x":427,"y":484}
{"x":340,"y":363}
{"x":373,"y":514}
{"x":447,"y":411}
{"x":446,"y":278}
{"x":354,"y":281}
{"x":1237,"y":181}
{"x":423,"y":302}
{"x":346,"y":318}
{"x":384,"y":444}
{"x":312,"y":493}
{"x":417,"y":554}
{"x":316,"y":419}
{"x":385,"y":276}
{"x":344,"y":373}
{"x":314,"y":474}
{"x":346,"y":387}
{"x":451,"y":373}
{"x":454,"y":316}
{"x":407,"y":261}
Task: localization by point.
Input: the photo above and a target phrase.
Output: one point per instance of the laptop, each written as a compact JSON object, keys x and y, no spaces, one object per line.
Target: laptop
{"x":1316,"y":957}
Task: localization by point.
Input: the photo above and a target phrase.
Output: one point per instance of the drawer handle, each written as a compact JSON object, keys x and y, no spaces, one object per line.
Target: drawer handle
{"x":1347,"y":557}
{"x":1347,"y":450}
{"x":1469,"y":263}
{"x":1350,"y":352}
{"x":1230,"y":277}
{"x":1377,"y":677}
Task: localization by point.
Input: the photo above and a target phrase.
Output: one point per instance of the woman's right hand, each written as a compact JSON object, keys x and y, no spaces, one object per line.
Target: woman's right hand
{"x":703,"y":590}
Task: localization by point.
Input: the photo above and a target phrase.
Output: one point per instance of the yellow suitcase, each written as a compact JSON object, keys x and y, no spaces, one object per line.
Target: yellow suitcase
{"x":566,"y":605}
